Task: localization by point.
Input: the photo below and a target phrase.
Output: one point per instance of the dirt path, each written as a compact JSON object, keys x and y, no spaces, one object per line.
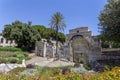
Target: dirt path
{"x":41,"y":61}
{"x":35,"y":59}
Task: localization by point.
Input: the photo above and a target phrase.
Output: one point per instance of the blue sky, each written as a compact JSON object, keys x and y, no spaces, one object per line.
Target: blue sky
{"x":76,"y":12}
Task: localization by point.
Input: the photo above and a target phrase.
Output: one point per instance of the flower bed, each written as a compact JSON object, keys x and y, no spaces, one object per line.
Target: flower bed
{"x":113,"y":74}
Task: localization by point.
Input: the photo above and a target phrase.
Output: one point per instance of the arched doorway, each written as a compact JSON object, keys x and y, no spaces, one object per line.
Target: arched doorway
{"x":80,"y":48}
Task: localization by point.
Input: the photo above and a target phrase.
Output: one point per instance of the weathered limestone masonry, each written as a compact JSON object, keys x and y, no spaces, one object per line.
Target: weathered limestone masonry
{"x":4,"y":42}
{"x":41,"y":48}
{"x":44,"y":49}
{"x":111,"y":55}
{"x":81,"y":41}
{"x":80,"y":45}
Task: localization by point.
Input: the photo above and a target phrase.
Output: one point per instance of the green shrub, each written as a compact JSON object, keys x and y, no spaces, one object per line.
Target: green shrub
{"x":20,"y":56}
{"x":17,"y":70}
{"x":87,"y":66}
{"x":27,"y":58}
{"x":107,"y":68}
{"x":6,"y":54}
{"x":3,"y":60}
{"x":13,"y":59}
{"x":25,"y":54}
{"x":14,"y":55}
{"x":12,"y":49}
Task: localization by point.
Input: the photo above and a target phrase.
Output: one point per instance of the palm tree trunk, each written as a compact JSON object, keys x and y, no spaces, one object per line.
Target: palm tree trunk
{"x":57,"y":40}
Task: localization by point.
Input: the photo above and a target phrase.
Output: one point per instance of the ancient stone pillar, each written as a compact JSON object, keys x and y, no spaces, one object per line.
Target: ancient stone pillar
{"x":53,"y":51}
{"x":44,"y":51}
{"x":4,"y":41}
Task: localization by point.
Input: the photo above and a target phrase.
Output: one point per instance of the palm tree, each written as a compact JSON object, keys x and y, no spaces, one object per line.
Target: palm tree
{"x":57,"y":23}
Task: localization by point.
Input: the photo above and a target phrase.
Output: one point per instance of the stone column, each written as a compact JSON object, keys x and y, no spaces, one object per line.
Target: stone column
{"x":4,"y":42}
{"x":71,"y":52}
{"x":53,"y":51}
{"x":44,"y":51}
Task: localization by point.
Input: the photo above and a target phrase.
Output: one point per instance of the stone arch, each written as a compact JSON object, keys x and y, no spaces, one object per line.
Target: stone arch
{"x":80,"y":38}
{"x":76,"y":36}
{"x":79,"y":46}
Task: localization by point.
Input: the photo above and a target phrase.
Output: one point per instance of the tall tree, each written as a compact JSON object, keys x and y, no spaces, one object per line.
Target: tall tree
{"x":57,"y":23}
{"x":23,"y":34}
{"x":41,"y":29}
{"x":61,"y":37}
{"x":110,"y":21}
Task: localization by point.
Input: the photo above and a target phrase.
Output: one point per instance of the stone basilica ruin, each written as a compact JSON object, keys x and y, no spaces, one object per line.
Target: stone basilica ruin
{"x":80,"y":45}
{"x":80,"y":41}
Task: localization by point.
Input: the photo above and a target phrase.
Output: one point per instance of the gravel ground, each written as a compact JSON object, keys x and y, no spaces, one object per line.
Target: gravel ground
{"x":41,"y":61}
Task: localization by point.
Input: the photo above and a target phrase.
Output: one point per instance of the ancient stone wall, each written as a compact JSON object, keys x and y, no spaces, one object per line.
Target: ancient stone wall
{"x":44,"y":49}
{"x":39,"y":48}
{"x":50,"y":51}
{"x":5,"y":42}
{"x":82,"y":41}
{"x":65,"y":53}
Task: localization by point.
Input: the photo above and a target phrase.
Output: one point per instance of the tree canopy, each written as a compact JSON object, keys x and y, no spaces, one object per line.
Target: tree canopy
{"x":49,"y":33}
{"x":110,"y":21}
{"x":25,"y":34}
{"x":41,"y":29}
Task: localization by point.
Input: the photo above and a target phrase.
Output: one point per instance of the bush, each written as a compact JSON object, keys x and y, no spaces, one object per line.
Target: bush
{"x":12,"y":49}
{"x":13,"y":59}
{"x":25,"y":54}
{"x":20,"y":56}
{"x":7,"y":56}
{"x":3,"y":60}
{"x":87,"y":66}
{"x":107,"y":68}
{"x":65,"y":71}
{"x":14,"y":55}
{"x":17,"y":70}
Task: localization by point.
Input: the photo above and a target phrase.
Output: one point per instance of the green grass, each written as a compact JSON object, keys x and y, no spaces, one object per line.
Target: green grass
{"x":12,"y":49}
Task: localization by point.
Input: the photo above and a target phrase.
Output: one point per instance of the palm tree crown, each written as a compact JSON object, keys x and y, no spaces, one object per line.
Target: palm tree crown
{"x":57,"y":23}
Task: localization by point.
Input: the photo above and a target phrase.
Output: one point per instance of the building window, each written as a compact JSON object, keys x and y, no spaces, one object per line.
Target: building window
{"x":77,"y":31}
